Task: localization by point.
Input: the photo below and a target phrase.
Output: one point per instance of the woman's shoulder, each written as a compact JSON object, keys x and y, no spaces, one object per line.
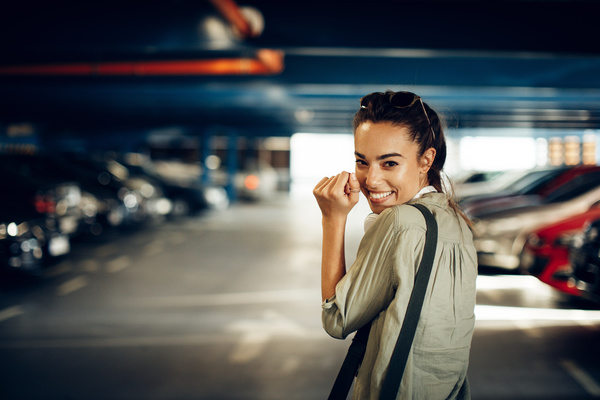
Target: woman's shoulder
{"x":403,"y":216}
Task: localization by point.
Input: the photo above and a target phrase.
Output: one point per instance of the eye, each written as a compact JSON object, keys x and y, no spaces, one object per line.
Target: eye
{"x":390,"y":164}
{"x":360,"y":162}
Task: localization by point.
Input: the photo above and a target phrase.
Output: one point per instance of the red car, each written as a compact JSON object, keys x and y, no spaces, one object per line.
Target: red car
{"x":546,"y":252}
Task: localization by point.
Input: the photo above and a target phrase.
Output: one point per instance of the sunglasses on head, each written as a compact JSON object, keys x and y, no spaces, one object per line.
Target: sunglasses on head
{"x":398,"y":100}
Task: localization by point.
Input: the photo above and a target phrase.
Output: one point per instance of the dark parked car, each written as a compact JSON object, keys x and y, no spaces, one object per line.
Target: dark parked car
{"x":40,"y":188}
{"x":586,"y":263}
{"x":94,"y":199}
{"x":137,"y":199}
{"x":34,"y":224}
{"x":110,"y":209}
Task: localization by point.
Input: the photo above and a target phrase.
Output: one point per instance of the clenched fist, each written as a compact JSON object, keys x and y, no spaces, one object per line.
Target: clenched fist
{"x":337,"y":195}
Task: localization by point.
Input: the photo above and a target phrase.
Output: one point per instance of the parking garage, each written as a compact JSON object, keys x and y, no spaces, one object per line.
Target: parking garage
{"x":159,"y":235}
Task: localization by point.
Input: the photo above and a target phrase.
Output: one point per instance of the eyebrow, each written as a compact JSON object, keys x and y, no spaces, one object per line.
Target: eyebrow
{"x":381,"y":157}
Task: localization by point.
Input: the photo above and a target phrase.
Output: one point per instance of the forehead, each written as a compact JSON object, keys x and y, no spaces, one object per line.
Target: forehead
{"x":380,"y":138}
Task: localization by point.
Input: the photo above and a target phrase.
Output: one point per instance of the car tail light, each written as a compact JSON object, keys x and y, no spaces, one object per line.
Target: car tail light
{"x":252,"y":182}
{"x":44,"y":204}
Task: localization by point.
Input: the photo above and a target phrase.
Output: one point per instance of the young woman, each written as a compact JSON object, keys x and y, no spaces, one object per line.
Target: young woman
{"x":400,"y":151}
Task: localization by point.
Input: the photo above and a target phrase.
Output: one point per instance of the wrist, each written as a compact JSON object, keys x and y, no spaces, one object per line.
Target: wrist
{"x":334,"y":221}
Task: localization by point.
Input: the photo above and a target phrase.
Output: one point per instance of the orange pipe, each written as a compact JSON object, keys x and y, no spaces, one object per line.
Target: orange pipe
{"x":268,"y":62}
{"x":231,"y":12}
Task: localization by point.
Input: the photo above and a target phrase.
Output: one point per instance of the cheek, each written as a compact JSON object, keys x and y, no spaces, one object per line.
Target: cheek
{"x":360,"y":173}
{"x":361,"y":177}
{"x":406,"y":178}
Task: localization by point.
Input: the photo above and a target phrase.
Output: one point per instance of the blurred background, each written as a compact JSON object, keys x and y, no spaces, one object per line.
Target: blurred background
{"x":158,"y":236}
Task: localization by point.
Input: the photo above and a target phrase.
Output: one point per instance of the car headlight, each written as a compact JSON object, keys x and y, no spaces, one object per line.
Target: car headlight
{"x":12,"y":229}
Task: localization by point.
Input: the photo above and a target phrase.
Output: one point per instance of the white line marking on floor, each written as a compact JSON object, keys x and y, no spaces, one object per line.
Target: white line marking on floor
{"x":118,"y":264}
{"x":582,"y":377}
{"x":502,"y":313}
{"x":71,"y":286}
{"x":11,"y":312}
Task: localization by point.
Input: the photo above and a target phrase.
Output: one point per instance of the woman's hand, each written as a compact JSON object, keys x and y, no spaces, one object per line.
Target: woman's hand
{"x":337,"y":195}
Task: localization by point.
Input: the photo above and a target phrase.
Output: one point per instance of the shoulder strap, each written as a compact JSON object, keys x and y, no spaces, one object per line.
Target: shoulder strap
{"x":349,"y":368}
{"x":393,"y":377}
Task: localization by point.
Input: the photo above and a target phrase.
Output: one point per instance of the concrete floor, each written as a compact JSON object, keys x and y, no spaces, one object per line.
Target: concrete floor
{"x":226,"y":305}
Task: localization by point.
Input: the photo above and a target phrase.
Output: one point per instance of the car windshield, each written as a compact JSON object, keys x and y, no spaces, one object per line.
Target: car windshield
{"x":575,"y":187}
{"x":532,"y":182}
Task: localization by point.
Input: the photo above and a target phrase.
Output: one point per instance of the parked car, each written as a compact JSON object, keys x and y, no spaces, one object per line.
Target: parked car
{"x":476,"y":177}
{"x":477,"y":183}
{"x":501,"y":235}
{"x":586,"y":263}
{"x":533,"y":189}
{"x":547,"y":251}
{"x":50,"y":195}
{"x":137,"y":199}
{"x":187,"y":197}
{"x":507,"y":183}
{"x":91,"y":199}
{"x":190,"y":175}
{"x":33,"y":226}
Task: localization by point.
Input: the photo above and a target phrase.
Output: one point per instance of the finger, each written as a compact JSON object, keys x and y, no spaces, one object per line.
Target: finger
{"x":353,"y":185}
{"x":335,"y":187}
{"x":321,"y":185}
{"x":342,"y":182}
{"x":321,"y":182}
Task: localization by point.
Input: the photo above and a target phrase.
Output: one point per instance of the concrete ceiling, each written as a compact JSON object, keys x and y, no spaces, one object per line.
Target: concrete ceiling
{"x":483,"y":64}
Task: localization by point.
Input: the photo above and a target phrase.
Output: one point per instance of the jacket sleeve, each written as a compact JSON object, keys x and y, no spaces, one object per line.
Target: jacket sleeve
{"x":368,"y":286}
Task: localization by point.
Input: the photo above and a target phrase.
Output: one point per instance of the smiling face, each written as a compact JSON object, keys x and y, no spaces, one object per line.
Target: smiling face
{"x":387,"y":164}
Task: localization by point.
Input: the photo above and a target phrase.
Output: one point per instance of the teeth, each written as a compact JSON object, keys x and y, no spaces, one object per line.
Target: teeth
{"x":379,"y":195}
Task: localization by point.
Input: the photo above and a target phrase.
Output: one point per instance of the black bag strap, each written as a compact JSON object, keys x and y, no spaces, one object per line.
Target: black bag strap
{"x":356,"y":352}
{"x":354,"y":357}
{"x":393,"y":377}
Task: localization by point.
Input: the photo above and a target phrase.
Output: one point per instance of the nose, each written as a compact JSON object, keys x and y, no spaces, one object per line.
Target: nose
{"x":373,"y":178}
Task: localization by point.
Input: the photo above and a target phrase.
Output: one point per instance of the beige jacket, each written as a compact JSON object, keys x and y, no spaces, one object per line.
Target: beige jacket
{"x":377,"y":288}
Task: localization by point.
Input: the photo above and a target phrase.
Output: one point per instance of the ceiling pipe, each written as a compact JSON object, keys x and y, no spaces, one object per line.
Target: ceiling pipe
{"x":266,"y":62}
